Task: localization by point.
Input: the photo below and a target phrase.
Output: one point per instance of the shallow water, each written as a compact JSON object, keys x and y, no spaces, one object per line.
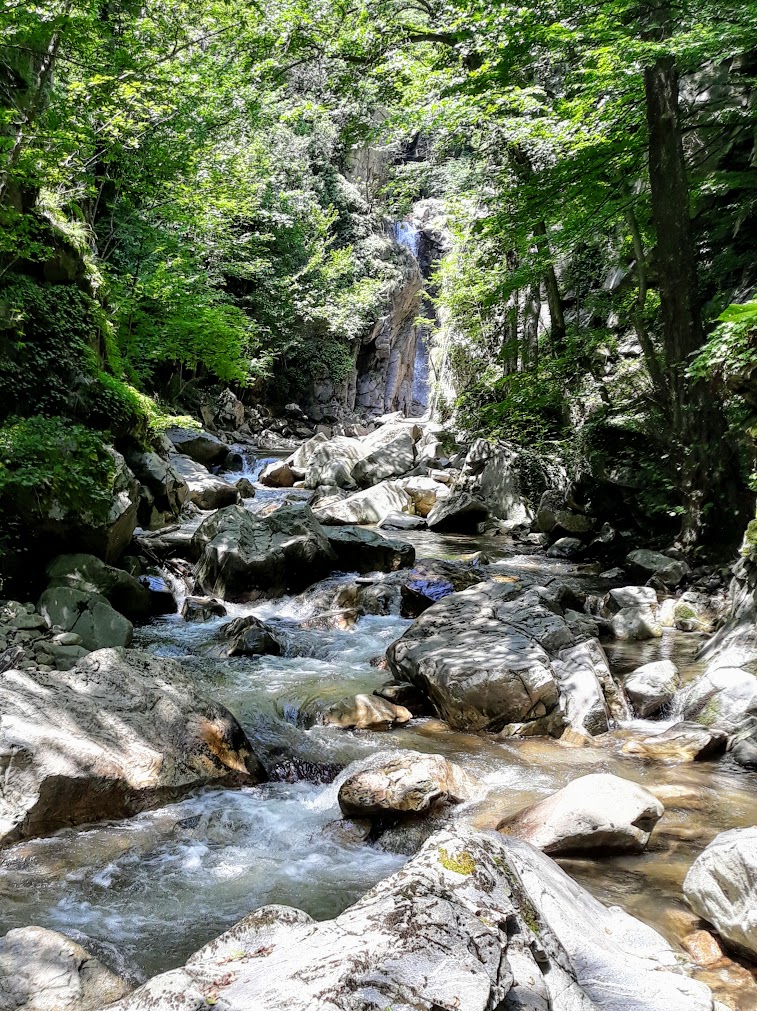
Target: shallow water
{"x":160,"y":885}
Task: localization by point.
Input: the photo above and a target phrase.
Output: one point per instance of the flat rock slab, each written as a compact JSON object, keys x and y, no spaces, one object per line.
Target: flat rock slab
{"x":119,"y":732}
{"x":473,"y":922}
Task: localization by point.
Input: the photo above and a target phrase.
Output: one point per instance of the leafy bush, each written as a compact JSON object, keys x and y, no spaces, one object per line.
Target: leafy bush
{"x":731,"y":349}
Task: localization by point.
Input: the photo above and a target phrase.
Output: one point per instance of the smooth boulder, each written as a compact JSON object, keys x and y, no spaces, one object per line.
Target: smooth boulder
{"x":460,"y":513}
{"x":403,"y":785}
{"x":362,"y":551}
{"x":365,"y":508}
{"x":42,"y":970}
{"x":205,"y":489}
{"x":473,"y":922}
{"x":632,"y":611}
{"x":390,"y":453}
{"x":596,"y":813}
{"x":120,"y":732}
{"x":240,"y":552}
{"x":723,"y":697}
{"x":201,"y":446}
{"x":88,"y":615}
{"x":91,"y":575}
{"x":648,"y":563}
{"x":683,"y":742}
{"x":652,"y":686}
{"x":721,"y":887}
{"x":278,"y":474}
{"x":363,"y":712}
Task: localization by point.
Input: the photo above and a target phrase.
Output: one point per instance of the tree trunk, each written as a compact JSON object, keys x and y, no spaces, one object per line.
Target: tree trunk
{"x":707,"y":473}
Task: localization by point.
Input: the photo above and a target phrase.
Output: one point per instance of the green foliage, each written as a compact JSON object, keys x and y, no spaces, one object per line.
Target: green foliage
{"x":51,"y":467}
{"x":731,"y":349}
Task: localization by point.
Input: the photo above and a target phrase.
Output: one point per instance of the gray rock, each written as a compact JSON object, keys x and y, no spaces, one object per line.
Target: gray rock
{"x":361,"y":712}
{"x":724,"y":698}
{"x":473,"y":922}
{"x":597,"y":813}
{"x":278,"y":475}
{"x":248,"y":636}
{"x":42,"y":970}
{"x":683,"y":742}
{"x":205,"y":489}
{"x":119,"y":732}
{"x":633,"y":612}
{"x":402,"y":521}
{"x":91,"y":575}
{"x":390,"y":453}
{"x":241,"y":552}
{"x":201,"y":609}
{"x":652,"y":686}
{"x":589,"y":698}
{"x":403,"y":785}
{"x":565,"y":547}
{"x":201,"y":446}
{"x":164,"y":491}
{"x":365,"y":507}
{"x":651,"y":563}
{"x":459,"y":513}
{"x":721,"y":887}
{"x":89,"y":615}
{"x":425,"y":492}
{"x":332,"y":463}
{"x":359,"y":550}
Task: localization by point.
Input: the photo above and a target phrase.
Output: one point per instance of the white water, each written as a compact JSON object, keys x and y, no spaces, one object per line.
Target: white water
{"x":407,"y":235}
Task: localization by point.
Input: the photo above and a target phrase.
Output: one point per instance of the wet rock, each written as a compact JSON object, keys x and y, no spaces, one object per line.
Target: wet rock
{"x":633,"y":612}
{"x":645,"y":563}
{"x":402,"y":521}
{"x":248,"y":636}
{"x":119,"y":732}
{"x":240,"y":552}
{"x":472,"y":922}
{"x":91,"y":575}
{"x":364,"y":712}
{"x":333,"y":462}
{"x":359,"y":550}
{"x":200,"y":609}
{"x":278,"y":475}
{"x":589,"y":697}
{"x":404,"y":694}
{"x":599,"y":813}
{"x":744,"y":753}
{"x":200,"y":446}
{"x":403,"y":785}
{"x":459,"y":513}
{"x":365,"y":507}
{"x":484,"y":658}
{"x":245,"y":488}
{"x":652,"y":686}
{"x":89,"y":615}
{"x":164,"y":491}
{"x":565,"y":547}
{"x":432,"y":580}
{"x":683,"y":742}
{"x":42,"y":970}
{"x":721,"y":887}
{"x":205,"y":489}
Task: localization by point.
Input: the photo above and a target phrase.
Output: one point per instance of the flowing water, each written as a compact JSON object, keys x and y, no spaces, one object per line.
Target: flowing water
{"x":159,"y":885}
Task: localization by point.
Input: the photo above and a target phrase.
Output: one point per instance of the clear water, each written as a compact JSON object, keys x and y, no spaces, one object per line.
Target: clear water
{"x":160,"y":885}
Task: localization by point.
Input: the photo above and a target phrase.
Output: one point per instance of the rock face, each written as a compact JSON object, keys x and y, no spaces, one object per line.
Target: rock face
{"x":120,"y":732}
{"x":201,"y":446}
{"x":460,"y":513}
{"x":366,"y":507}
{"x":485,"y":659}
{"x":721,"y":887}
{"x":597,"y":813}
{"x":473,"y":923}
{"x":90,"y":575}
{"x":363,"y":551}
{"x":164,"y":491}
{"x":205,"y":490}
{"x":88,"y":615}
{"x":652,"y":686}
{"x":240,"y":552}
{"x":41,"y":970}
{"x":403,"y":785}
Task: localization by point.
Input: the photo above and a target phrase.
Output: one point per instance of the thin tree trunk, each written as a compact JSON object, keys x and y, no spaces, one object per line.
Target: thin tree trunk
{"x":637,"y":315}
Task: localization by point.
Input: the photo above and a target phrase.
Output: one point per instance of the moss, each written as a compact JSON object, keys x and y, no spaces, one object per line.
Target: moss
{"x":463,"y":863}
{"x":709,"y":713}
{"x":685,"y":612}
{"x":749,"y":547}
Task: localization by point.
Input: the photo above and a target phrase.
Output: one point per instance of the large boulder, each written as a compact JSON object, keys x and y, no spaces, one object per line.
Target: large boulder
{"x":652,"y":686}
{"x":42,"y":970}
{"x":632,"y":611}
{"x":365,"y":507}
{"x":91,"y":575}
{"x":164,"y":491}
{"x":403,"y":785}
{"x":332,"y":463}
{"x":683,"y":742}
{"x":300,"y":459}
{"x":205,"y":489}
{"x":599,"y":813}
{"x":109,"y":538}
{"x":359,"y":550}
{"x":489,"y":659}
{"x":201,"y":446}
{"x":723,"y":697}
{"x":721,"y":887}
{"x":473,"y":922}
{"x":432,"y":579}
{"x":459,"y":513}
{"x":240,"y":553}
{"x":119,"y":732}
{"x":646,"y":564}
{"x":507,"y":478}
{"x":278,"y":475}
{"x":88,"y":615}
{"x":425,"y":492}
{"x":389,"y":452}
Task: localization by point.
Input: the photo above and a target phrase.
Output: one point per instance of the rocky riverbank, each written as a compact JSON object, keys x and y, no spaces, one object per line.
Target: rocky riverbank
{"x":496,"y":673}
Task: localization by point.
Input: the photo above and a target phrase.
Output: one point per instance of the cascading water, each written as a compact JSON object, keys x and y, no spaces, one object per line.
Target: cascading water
{"x":407,"y":235}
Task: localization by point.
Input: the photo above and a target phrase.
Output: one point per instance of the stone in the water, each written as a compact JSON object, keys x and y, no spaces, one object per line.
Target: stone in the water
{"x":121,"y":732}
{"x":721,"y":887}
{"x":365,"y":507}
{"x":683,"y":742}
{"x":202,"y":609}
{"x":365,"y":712}
{"x":473,"y":922}
{"x":723,"y":697}
{"x":459,"y":513}
{"x":432,"y":580}
{"x":599,"y":813}
{"x":404,"y":785}
{"x":652,"y":686}
{"x":201,"y":446}
{"x":42,"y":970}
{"x":248,"y":636}
{"x":565,"y":547}
{"x":91,"y":575}
{"x":278,"y":475}
{"x":205,"y":489}
{"x":359,"y":550}
{"x":633,"y":612}
{"x":651,"y":563}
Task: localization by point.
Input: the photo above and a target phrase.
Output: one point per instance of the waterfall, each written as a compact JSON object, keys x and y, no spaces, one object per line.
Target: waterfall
{"x":407,"y":235}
